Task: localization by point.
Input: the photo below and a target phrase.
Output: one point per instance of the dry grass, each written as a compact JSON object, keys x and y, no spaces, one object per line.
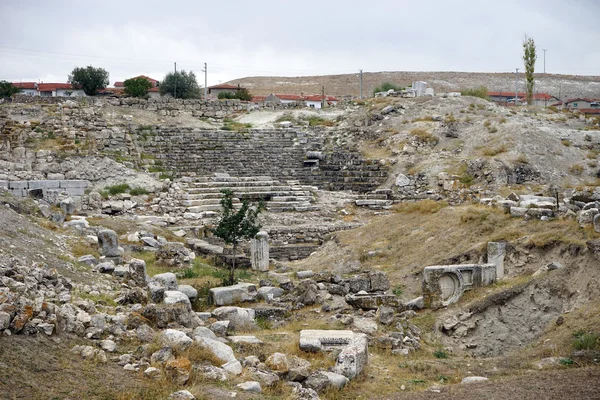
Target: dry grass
{"x":423,"y":136}
{"x":576,"y":169}
{"x":566,"y":142}
{"x":494,"y":151}
{"x":422,"y":207}
{"x":80,"y":248}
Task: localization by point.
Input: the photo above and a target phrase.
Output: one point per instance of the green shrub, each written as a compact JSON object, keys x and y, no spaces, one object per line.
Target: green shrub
{"x":565,"y":361}
{"x":384,"y":87}
{"x":398,"y":290}
{"x":117,"y":189}
{"x":138,"y":191}
{"x":440,"y":354}
{"x":481,"y":92}
{"x":586,"y":341}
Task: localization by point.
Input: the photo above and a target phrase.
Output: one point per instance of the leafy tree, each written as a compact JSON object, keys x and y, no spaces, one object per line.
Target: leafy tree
{"x":384,"y":87}
{"x":89,"y":78}
{"x":181,"y":85}
{"x":234,"y":226}
{"x":137,"y":87}
{"x":7,"y":89}
{"x":242,"y":94}
{"x":529,"y":57}
{"x":480,"y":91}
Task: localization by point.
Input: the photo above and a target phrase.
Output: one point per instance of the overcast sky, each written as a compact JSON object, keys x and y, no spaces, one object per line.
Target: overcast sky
{"x":45,"y":39}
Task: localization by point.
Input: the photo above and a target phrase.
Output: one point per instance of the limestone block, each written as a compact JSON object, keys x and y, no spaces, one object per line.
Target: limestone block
{"x":226,"y":295}
{"x":313,"y":340}
{"x":353,"y":358}
{"x":238,"y":317}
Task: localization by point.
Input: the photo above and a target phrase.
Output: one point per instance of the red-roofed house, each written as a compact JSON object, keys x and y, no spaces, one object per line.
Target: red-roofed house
{"x":316,"y":101}
{"x":507,"y":98}
{"x":58,"y":90}
{"x":27,"y":88}
{"x":223,"y":88}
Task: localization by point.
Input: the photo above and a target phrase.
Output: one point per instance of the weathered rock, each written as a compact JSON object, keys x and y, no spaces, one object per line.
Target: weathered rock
{"x":211,"y":372}
{"x":182,"y":395}
{"x":365,"y":325}
{"x":107,"y":267}
{"x":299,"y":369}
{"x":268,"y":293}
{"x":108,"y":345}
{"x":278,"y":362}
{"x":137,"y":269}
{"x":596,"y":222}
{"x":322,"y":380}
{"x":178,"y":370}
{"x":152,"y":373}
{"x":233,"y":367}
{"x":175,"y":339}
{"x":250,"y":386}
{"x":109,"y":243}
{"x":473,"y":379}
{"x":379,"y":281}
{"x":219,"y":351}
{"x":373,"y":301}
{"x":238,"y":317}
{"x":202,"y":331}
{"x":67,"y":206}
{"x":175,"y":297}
{"x":353,"y":358}
{"x":189,"y":291}
{"x":220,"y":328}
{"x":174,"y":254}
{"x":88,"y":259}
{"x":385,"y":315}
{"x":162,"y":356}
{"x":245,"y":339}
{"x":415,"y":304}
{"x":151,"y":242}
{"x":226,"y":295}
{"x":161,"y":283}
{"x":266,"y":378}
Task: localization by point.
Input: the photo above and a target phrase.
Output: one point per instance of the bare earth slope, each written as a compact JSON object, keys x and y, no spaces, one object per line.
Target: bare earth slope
{"x":349,"y":85}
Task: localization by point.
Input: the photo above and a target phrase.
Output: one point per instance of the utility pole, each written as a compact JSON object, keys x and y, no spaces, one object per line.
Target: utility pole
{"x":516,"y":87}
{"x":323,"y":99}
{"x":544,"y":61}
{"x":175,"y":80}
{"x":205,"y":70}
{"x":361,"y":84}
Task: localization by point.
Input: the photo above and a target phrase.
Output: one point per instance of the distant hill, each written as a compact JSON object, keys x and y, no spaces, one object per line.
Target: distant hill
{"x":565,"y":86}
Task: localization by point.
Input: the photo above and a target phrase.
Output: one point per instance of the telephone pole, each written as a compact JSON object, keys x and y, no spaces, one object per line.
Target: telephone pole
{"x":175,"y":80}
{"x":544,"y":61}
{"x":361,"y":83}
{"x":205,"y":70}
{"x":323,"y":94}
{"x":516,"y":87}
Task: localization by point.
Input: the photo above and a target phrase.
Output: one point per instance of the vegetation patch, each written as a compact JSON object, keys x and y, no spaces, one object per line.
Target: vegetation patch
{"x":423,"y":136}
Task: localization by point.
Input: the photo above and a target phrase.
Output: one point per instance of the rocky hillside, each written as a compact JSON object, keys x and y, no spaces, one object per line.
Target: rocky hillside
{"x":562,"y":86}
{"x":411,"y":248}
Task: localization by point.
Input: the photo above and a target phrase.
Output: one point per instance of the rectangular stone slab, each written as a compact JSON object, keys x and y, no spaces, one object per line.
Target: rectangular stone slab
{"x":321,"y":340}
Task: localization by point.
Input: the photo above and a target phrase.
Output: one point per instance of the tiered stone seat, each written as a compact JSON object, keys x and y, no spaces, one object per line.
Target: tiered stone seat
{"x":203,"y":195}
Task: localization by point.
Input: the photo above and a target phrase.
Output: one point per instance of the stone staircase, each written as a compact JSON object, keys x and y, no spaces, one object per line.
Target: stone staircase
{"x":379,"y":199}
{"x":202,"y":195}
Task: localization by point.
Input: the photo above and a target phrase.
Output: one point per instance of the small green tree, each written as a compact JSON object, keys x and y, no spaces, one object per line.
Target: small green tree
{"x":181,"y":85}
{"x":7,"y":89}
{"x":529,"y":58}
{"x":90,"y":79}
{"x":234,"y":226}
{"x":241,"y":94}
{"x":137,"y":87}
{"x":481,"y":92}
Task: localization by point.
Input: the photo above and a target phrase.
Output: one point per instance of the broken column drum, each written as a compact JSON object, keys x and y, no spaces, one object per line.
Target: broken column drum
{"x":259,"y":252}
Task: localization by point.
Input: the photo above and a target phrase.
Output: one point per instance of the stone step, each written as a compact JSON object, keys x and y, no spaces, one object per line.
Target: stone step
{"x":205,"y":202}
{"x":370,"y":202}
{"x":244,"y":189}
{"x":233,"y":184}
{"x":373,"y":196}
{"x":199,"y":196}
{"x":291,"y":198}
